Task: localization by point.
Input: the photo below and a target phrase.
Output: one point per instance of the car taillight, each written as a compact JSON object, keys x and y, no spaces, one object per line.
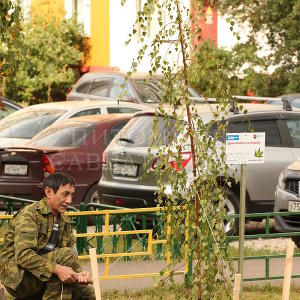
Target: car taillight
{"x":47,"y":166}
{"x":104,"y":158}
{"x":119,"y":201}
{"x":185,"y":158}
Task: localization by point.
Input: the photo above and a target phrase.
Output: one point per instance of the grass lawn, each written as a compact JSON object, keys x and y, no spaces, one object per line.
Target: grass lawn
{"x":266,"y":292}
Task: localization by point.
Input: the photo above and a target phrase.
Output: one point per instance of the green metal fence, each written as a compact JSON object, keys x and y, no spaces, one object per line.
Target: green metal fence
{"x":131,"y":221}
{"x":267,"y":235}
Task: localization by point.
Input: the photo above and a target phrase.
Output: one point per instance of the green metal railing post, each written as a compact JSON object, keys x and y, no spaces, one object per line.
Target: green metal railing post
{"x":144,"y":241}
{"x":115,"y":238}
{"x":159,"y":235}
{"x":145,"y":238}
{"x":81,"y":228}
{"x":268,"y":224}
{"x":126,"y":225}
{"x":99,"y":222}
{"x":129,"y":237}
{"x":267,"y":267}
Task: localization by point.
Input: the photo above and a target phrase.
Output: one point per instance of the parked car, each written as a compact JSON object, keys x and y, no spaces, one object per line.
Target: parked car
{"x":9,"y":107}
{"x":287,"y":199}
{"x":73,"y":146}
{"x":19,"y":127}
{"x":139,"y":88}
{"x":124,"y":182}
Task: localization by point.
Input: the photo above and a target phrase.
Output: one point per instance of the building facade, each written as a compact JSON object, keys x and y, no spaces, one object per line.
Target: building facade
{"x":107,"y":24}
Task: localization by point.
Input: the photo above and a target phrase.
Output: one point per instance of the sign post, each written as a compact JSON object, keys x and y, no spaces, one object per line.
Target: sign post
{"x":244,"y":148}
{"x":242,"y":224}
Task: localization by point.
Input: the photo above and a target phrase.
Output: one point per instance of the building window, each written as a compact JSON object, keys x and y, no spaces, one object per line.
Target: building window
{"x":82,"y":9}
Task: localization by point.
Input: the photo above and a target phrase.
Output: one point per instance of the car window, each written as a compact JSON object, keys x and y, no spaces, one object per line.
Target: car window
{"x":84,"y":88}
{"x":122,"y":110}
{"x":87,"y":112}
{"x":8,"y":111}
{"x":270,"y":127}
{"x":294,"y":129}
{"x":100,"y":86}
{"x":117,"y":89}
{"x":28,"y":123}
{"x":148,"y":91}
{"x":113,"y":131}
{"x":138,"y":132}
{"x":63,"y":136}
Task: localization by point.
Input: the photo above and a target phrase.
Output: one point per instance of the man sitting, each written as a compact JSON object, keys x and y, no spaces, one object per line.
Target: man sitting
{"x":38,"y":260}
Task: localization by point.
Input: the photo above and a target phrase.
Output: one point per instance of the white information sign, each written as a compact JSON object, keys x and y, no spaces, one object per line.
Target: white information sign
{"x":245,"y":148}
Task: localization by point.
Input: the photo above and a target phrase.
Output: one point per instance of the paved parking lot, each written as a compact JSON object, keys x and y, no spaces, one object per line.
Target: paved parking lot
{"x":253,"y":268}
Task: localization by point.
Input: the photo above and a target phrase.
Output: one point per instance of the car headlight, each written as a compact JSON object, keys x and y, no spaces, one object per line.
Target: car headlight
{"x":280,"y":181}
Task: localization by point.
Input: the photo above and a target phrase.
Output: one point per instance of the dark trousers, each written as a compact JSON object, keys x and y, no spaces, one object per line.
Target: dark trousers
{"x":32,"y":288}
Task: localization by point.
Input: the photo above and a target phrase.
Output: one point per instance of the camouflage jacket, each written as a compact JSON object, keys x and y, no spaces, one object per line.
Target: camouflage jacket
{"x":27,"y":233}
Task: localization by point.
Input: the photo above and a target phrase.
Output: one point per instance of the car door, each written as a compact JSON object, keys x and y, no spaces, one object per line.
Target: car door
{"x":261,"y":179}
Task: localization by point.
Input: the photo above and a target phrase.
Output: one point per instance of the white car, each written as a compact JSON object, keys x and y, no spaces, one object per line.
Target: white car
{"x":19,"y":127}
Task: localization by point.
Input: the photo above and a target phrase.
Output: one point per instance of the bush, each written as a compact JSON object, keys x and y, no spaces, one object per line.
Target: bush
{"x":53,"y":52}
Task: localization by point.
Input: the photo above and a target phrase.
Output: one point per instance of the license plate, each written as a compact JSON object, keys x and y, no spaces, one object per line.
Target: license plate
{"x":17,"y":170}
{"x":294,"y":206}
{"x":125,"y":170}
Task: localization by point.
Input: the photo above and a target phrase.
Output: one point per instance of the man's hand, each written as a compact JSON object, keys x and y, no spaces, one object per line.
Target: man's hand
{"x":65,"y":274}
{"x":84,"y":277}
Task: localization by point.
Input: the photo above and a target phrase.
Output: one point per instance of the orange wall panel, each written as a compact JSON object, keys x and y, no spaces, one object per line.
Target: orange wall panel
{"x":100,"y":35}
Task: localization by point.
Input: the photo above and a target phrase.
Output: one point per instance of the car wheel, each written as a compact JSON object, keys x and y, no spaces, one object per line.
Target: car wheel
{"x":231,"y":204}
{"x":296,"y":240}
{"x":92,"y":196}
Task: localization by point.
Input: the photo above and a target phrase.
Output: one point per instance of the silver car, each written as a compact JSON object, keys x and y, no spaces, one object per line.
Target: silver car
{"x":124,"y":183}
{"x":287,"y":199}
{"x":19,"y":127}
{"x":139,"y":88}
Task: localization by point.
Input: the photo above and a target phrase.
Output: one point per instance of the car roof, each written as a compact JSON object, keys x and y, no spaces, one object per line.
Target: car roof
{"x":96,"y":119}
{"x":89,"y":75}
{"x":72,"y":105}
{"x":206,"y":110}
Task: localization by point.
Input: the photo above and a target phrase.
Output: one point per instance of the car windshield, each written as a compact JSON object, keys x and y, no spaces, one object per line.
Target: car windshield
{"x":150,"y":90}
{"x":27,"y":123}
{"x":138,"y":132}
{"x":63,"y":135}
